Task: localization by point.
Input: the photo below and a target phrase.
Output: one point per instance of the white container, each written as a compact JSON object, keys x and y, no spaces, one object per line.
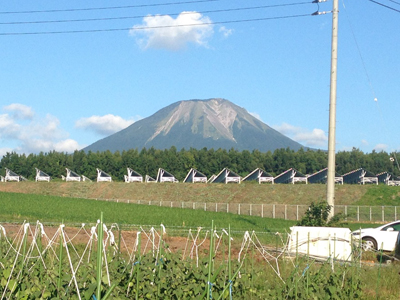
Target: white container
{"x":321,"y":242}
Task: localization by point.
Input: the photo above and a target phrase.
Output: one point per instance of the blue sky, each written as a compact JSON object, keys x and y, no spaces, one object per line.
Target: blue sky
{"x":63,"y":91}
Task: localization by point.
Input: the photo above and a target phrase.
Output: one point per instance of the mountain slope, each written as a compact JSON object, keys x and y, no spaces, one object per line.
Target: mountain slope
{"x":212,"y":123}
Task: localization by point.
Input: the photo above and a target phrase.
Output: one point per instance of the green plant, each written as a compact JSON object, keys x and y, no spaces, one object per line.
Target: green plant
{"x":317,"y":215}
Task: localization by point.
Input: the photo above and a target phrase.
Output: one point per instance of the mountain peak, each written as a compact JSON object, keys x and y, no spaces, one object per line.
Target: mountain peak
{"x":212,"y":123}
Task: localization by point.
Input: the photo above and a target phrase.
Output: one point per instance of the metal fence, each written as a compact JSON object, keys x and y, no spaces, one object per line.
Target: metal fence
{"x":279,"y":211}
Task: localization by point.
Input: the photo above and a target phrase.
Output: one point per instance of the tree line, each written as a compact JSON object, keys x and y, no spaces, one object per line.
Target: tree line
{"x":207,"y":161}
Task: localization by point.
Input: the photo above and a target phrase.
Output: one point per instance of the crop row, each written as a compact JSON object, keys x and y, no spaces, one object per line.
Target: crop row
{"x":101,"y":262}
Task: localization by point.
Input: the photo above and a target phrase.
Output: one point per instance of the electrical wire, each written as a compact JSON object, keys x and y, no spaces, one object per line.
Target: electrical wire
{"x":152,"y":27}
{"x":359,"y":53}
{"x":369,"y":82}
{"x":104,"y":8}
{"x":381,"y":4}
{"x":140,"y":17}
{"x":395,"y":2}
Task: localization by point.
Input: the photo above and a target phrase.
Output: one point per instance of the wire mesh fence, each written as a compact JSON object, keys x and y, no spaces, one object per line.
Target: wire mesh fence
{"x":279,"y":211}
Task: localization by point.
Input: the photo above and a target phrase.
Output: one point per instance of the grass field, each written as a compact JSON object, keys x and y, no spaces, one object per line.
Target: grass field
{"x":17,"y":207}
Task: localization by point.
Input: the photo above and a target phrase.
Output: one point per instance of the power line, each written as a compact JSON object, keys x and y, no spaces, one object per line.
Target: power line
{"x":395,"y":2}
{"x":139,"y":17}
{"x":104,"y":8}
{"x":359,"y":53}
{"x":381,"y":4}
{"x":151,"y":27}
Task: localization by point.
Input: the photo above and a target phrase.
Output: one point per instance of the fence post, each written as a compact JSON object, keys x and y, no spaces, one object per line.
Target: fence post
{"x":128,"y":201}
{"x":273,"y":211}
{"x":227,"y":207}
{"x":358,"y":213}
{"x":285,"y":212}
{"x":262,"y":210}
{"x":370,"y":214}
{"x":194,"y":205}
{"x":395,"y":212}
{"x":297,"y":212}
{"x":239,"y":209}
{"x":251,"y":206}
{"x":216,"y":207}
{"x":383,"y":214}
{"x":160,"y":203}
{"x":345,"y":211}
{"x":139,"y":202}
{"x":171,"y":203}
{"x":205,"y":206}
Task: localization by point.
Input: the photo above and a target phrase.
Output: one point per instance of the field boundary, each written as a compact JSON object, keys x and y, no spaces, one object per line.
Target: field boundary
{"x":356,"y":213}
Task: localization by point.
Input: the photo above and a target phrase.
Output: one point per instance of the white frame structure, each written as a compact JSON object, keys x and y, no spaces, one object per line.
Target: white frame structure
{"x":133,"y":176}
{"x":164,"y":176}
{"x":149,"y":179}
{"x":360,"y":176}
{"x":321,"y":177}
{"x":72,"y":176}
{"x":42,"y":176}
{"x":290,"y":176}
{"x":226,"y":176}
{"x":194,"y":176}
{"x":12,"y":176}
{"x":84,"y":178}
{"x":211,"y":179}
{"x":103,"y":176}
{"x":260,"y":176}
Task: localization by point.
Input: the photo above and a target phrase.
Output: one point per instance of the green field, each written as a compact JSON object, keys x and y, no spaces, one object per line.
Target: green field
{"x":19,"y":207}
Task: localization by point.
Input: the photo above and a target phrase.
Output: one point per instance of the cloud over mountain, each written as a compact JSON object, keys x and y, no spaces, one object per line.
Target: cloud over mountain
{"x":165,"y":32}
{"x":313,"y":138}
{"x":104,"y":125}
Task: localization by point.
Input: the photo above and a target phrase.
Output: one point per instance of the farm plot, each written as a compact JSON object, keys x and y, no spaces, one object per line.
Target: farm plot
{"x":99,"y":262}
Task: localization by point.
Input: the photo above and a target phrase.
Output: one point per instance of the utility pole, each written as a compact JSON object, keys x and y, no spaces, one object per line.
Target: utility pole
{"x":330,"y":194}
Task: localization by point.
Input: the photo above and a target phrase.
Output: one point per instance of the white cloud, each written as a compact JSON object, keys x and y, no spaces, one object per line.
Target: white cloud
{"x":255,"y":115}
{"x":225,"y":31}
{"x":20,"y":111}
{"x":67,"y":145}
{"x":104,"y":125}
{"x":381,"y":147}
{"x":165,"y":32}
{"x":3,"y":151}
{"x":314,"y":138}
{"x":29,"y":133}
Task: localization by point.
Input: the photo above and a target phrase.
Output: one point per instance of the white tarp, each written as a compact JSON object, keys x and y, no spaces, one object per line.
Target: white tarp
{"x":321,"y":242}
